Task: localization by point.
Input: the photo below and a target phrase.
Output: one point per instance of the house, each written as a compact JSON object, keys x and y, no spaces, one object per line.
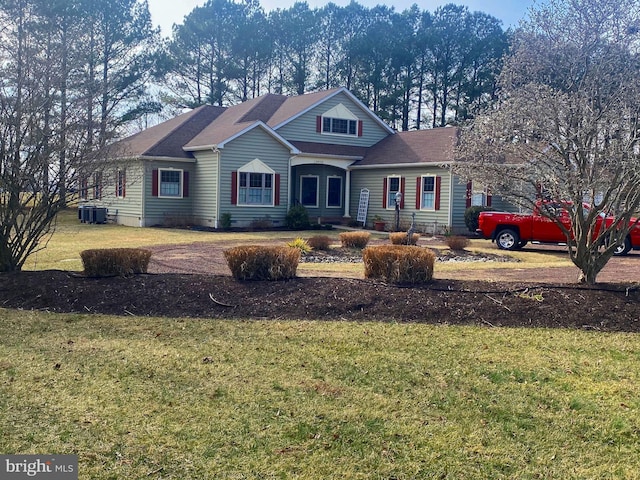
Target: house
{"x":251,"y":162}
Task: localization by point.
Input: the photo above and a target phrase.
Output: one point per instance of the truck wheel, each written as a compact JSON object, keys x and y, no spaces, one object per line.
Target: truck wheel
{"x":508,"y":239}
{"x":623,"y":248}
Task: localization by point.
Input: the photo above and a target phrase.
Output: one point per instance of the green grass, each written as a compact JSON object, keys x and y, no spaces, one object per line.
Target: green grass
{"x":195,"y":399}
{"x":199,"y":399}
{"x":63,"y":248}
{"x":70,"y":237}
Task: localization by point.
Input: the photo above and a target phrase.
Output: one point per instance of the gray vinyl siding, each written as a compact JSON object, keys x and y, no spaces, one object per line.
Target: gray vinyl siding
{"x":204,"y":189}
{"x":254,"y":144}
{"x":459,"y":205}
{"x":303,"y":128}
{"x":128,"y":209}
{"x":500,"y":204}
{"x":428,"y":221}
{"x":167,"y":211}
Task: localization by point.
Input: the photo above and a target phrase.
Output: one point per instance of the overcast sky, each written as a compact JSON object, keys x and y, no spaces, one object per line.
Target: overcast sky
{"x":167,"y":12}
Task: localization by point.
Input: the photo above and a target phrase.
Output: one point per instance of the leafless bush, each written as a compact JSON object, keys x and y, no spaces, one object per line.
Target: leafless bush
{"x":355,"y":239}
{"x":400,"y":238}
{"x":399,"y":264}
{"x":108,"y":262}
{"x":253,"y":262}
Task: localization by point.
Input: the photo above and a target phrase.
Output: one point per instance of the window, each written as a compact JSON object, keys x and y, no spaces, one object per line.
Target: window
{"x":309,"y":191}
{"x":339,"y":120}
{"x":84,"y":188}
{"x":339,"y":125}
{"x":255,"y":184}
{"x":97,"y":186}
{"x":170,"y":183}
{"x":121,"y":182}
{"x":478,"y":195}
{"x":334,"y":192}
{"x":428,"y":193}
{"x":393,"y":187}
{"x":255,"y":188}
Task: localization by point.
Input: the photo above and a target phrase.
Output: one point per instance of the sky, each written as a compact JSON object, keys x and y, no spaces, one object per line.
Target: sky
{"x":167,"y":12}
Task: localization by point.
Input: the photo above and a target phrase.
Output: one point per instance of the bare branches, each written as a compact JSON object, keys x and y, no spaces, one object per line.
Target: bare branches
{"x":566,"y":125}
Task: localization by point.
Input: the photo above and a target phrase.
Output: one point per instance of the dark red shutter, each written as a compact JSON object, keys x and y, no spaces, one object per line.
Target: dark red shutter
{"x":469,"y":193}
{"x":154,"y":182}
{"x":318,"y":124}
{"x":438,"y":187}
{"x":402,"y":182}
{"x":418,"y":192}
{"x":234,"y":188}
{"x":489,"y":198}
{"x":359,"y":128}
{"x":384,"y":193}
{"x":276,"y":194}
{"x":185,"y":184}
{"x":124,"y":183}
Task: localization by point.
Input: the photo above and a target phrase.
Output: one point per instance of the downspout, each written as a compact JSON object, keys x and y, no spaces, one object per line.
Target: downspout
{"x":142,"y":222}
{"x":218,"y":173}
{"x":451,"y":205}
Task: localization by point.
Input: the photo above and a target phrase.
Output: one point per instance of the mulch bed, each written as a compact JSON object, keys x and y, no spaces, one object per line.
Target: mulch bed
{"x":607,"y":307}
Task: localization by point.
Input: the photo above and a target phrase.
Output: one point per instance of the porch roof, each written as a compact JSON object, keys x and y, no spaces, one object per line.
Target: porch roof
{"x":329,"y":149}
{"x":433,"y":146}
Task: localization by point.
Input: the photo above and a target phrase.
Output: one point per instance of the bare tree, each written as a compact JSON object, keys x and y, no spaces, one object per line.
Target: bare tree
{"x":566,"y":124}
{"x":45,"y":145}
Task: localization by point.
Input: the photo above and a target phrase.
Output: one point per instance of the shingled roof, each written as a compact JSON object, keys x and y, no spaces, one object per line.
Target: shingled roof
{"x":416,"y":147}
{"x":270,"y":109}
{"x":167,"y":138}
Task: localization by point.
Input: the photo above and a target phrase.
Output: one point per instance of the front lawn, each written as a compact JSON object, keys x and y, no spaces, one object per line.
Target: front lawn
{"x":194,"y":399}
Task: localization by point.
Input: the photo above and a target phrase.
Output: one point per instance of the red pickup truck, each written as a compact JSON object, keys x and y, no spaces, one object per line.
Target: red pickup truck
{"x":512,"y":231}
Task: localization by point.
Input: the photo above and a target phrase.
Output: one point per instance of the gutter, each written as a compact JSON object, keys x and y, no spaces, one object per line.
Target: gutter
{"x":400,"y":165}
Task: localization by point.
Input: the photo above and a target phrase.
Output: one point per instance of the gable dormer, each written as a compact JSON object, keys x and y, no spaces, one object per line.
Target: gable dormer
{"x":339,"y":120}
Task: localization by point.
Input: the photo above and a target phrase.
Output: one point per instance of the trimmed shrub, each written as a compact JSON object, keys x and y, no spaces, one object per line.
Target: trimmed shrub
{"x":254,"y":262}
{"x":297,"y":218}
{"x":457,"y":242}
{"x":301,"y":244}
{"x":399,"y":263}
{"x":471,"y":215}
{"x":319,"y":242}
{"x":354,"y":239}
{"x":400,"y":238}
{"x":110,"y":262}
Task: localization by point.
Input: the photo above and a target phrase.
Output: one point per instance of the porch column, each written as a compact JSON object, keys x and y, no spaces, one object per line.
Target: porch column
{"x":347,"y":193}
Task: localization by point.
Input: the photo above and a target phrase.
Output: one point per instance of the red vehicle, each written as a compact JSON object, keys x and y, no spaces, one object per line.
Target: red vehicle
{"x":512,"y":231}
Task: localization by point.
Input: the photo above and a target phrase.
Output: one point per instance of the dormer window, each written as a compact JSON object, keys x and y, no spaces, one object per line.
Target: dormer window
{"x":339,"y":121}
{"x":339,"y":125}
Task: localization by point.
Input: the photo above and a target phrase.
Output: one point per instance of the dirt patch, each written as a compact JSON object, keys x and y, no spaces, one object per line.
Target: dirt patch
{"x":193,"y":281}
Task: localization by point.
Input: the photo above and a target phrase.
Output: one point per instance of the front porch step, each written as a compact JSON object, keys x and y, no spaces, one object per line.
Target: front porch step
{"x":334,"y":220}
